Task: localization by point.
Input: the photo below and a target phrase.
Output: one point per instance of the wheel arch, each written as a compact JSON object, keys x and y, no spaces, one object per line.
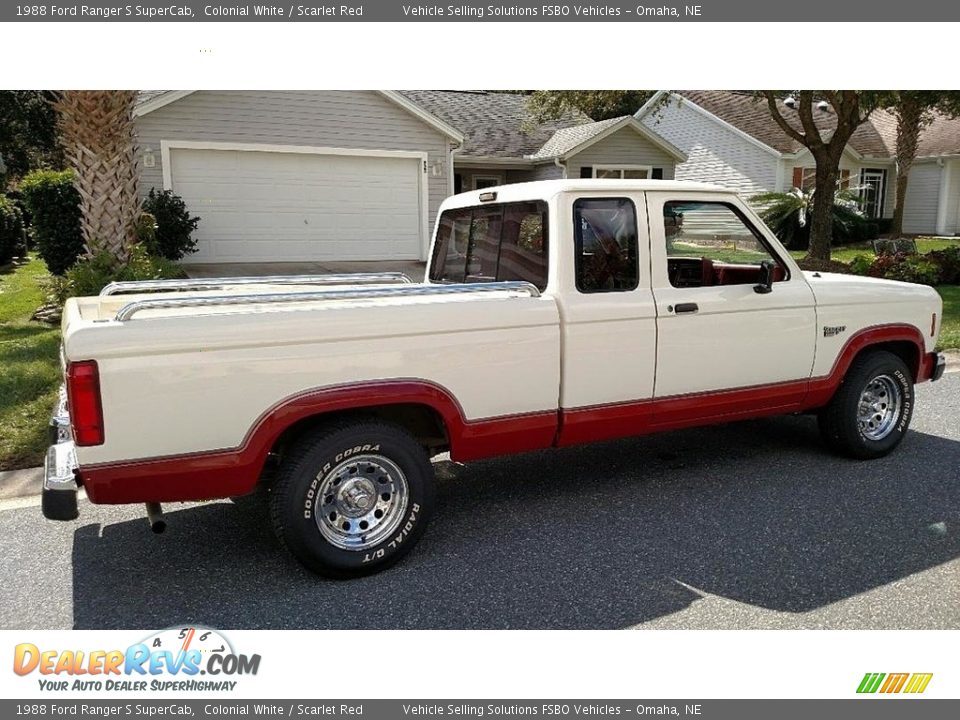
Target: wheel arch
{"x":904,"y":341}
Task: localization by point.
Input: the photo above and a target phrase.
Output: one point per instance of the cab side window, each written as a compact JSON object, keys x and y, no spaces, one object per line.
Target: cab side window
{"x":712,"y":243}
{"x":606,"y":245}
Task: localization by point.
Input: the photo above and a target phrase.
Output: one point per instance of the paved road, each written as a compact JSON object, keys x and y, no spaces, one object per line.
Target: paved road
{"x":745,"y":526}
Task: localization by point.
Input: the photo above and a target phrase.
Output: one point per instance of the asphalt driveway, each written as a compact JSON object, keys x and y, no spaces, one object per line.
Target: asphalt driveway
{"x":743,"y":526}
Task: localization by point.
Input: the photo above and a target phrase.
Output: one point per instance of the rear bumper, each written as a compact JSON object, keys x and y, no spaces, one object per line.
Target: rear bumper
{"x":59,"y":498}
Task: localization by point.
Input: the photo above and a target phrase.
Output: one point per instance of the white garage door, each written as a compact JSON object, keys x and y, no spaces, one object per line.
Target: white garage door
{"x":269,"y":206}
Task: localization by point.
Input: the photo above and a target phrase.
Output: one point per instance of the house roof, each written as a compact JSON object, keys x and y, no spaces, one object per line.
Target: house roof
{"x":566,"y":139}
{"x":493,"y":124}
{"x":749,"y":114}
{"x":940,"y":137}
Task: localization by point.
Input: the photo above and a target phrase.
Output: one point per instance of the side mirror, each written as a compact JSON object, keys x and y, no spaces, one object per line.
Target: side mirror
{"x":767,"y":269}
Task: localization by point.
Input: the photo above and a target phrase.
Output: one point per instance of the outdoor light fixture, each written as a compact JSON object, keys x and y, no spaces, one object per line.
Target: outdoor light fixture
{"x":823,"y":106}
{"x":790,"y":101}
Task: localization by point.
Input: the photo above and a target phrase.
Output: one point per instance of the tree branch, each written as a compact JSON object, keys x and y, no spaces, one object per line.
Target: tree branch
{"x":781,"y":120}
{"x":806,"y":120}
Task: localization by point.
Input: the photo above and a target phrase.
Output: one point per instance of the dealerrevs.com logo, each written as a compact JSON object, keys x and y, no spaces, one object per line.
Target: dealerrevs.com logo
{"x":910,"y":683}
{"x":172,"y":659}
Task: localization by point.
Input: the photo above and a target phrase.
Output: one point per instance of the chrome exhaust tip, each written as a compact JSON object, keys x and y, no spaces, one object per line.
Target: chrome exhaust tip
{"x":158,"y":523}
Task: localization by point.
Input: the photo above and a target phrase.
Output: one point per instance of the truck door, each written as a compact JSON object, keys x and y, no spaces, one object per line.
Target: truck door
{"x":716,"y":330}
{"x":608,"y":316}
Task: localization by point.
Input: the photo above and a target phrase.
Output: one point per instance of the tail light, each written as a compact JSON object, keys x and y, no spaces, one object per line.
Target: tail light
{"x":86,"y":408}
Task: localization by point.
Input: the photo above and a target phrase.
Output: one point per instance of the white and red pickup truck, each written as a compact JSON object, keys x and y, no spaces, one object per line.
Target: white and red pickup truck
{"x":554,"y":313}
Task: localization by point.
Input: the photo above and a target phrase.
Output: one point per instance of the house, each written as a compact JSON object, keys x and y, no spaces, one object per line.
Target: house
{"x":360,"y":175}
{"x":731,"y":139}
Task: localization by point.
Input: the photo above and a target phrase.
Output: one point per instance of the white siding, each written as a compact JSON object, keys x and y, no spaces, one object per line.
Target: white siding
{"x":952,"y":217}
{"x":715,"y":153}
{"x":330,"y":118}
{"x":923,"y":192}
{"x":624,"y":147}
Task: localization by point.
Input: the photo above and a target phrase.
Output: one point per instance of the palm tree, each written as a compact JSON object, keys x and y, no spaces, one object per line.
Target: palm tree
{"x":99,"y":140}
{"x":789,"y":214}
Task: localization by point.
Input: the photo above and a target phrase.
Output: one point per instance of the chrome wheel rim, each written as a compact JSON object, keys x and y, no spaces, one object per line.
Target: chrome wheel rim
{"x":879,"y":407}
{"x":361,"y":502}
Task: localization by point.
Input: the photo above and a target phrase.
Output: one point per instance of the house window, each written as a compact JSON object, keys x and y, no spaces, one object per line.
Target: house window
{"x":873,"y":188}
{"x":492,"y":243}
{"x":606,"y":246}
{"x":484,"y":181}
{"x":805,"y":178}
{"x":622,"y":172}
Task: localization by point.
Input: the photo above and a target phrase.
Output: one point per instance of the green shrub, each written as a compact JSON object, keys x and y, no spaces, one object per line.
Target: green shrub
{"x":171,"y":236}
{"x":54,"y":206}
{"x":11,"y":231}
{"x":90,"y":275}
{"x":906,"y":268}
{"x":860,"y":265}
{"x":948,"y":260}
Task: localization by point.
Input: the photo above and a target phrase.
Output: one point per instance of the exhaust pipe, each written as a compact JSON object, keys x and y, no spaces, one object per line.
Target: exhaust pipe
{"x":158,"y":523}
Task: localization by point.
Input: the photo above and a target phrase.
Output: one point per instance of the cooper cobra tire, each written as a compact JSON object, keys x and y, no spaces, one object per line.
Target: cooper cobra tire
{"x":871,"y":411}
{"x":352,"y":498}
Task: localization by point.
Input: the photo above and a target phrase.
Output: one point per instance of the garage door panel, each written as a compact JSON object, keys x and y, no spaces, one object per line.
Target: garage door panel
{"x":275,"y":206}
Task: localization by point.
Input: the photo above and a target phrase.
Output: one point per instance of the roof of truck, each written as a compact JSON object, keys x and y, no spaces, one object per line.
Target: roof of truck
{"x":549,"y":188}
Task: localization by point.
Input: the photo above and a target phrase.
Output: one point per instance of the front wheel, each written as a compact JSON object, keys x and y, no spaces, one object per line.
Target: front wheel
{"x":871,"y":411}
{"x":352,"y":498}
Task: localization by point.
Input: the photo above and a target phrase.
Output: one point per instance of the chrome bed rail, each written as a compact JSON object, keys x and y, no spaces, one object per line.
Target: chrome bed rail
{"x":139,"y":286}
{"x":414,"y":290}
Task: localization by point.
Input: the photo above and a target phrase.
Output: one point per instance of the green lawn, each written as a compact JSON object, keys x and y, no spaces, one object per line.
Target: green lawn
{"x":848,"y":252}
{"x":29,"y":367}
{"x":950,"y":328}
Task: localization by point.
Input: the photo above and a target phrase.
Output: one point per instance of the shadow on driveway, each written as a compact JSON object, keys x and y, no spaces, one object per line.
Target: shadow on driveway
{"x":603,"y":536}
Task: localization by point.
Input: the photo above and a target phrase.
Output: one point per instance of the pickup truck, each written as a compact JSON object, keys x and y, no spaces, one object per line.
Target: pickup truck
{"x":553,"y":313}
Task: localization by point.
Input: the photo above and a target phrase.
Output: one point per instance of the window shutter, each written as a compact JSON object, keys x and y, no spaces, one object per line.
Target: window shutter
{"x":457,"y":183}
{"x":844,"y":179}
{"x":586,"y":171}
{"x":657,"y":174}
{"x":798,"y":177}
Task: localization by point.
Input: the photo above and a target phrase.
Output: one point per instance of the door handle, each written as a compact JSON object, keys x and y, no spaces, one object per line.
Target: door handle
{"x":681,"y":308}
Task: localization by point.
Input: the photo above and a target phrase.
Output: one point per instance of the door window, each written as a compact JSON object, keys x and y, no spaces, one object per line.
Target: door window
{"x":711,"y":243}
{"x":605,"y":243}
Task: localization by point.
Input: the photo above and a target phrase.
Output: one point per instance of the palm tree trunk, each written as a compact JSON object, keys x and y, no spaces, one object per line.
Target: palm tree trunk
{"x":909,"y":121}
{"x":99,"y":139}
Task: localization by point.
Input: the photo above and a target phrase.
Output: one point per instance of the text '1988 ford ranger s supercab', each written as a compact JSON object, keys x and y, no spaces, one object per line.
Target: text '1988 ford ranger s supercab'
{"x":553,"y":313}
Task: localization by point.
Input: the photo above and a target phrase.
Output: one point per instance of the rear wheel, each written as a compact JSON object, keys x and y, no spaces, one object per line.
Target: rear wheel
{"x":352,"y":498}
{"x":871,"y":411}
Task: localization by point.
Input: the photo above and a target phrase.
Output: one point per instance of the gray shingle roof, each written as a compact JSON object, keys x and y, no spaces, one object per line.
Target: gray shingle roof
{"x":876,"y":137}
{"x":494,"y":124}
{"x":566,"y":139}
{"x":940,"y":137}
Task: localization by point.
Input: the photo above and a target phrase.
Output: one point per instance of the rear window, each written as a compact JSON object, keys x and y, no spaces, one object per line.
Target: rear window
{"x":490,"y":243}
